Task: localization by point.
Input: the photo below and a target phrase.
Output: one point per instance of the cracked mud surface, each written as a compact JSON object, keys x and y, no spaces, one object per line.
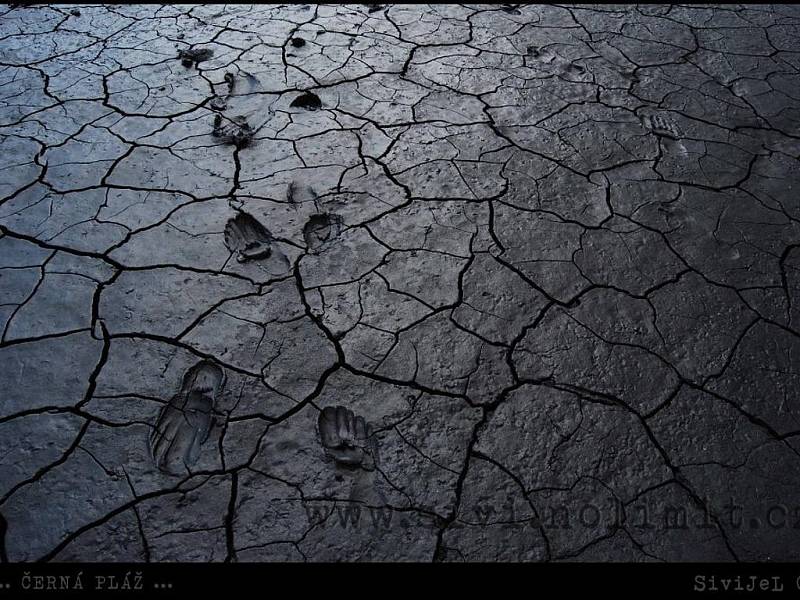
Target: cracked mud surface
{"x":542,"y":261}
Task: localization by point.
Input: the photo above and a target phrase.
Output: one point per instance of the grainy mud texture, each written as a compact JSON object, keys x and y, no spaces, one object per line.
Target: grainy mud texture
{"x":396,"y":282}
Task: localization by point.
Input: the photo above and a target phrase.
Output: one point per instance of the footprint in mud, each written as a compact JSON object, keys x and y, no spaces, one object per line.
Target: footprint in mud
{"x":347,"y":439}
{"x":297,"y":193}
{"x":307,"y":101}
{"x":233,"y":130}
{"x":250,"y":84}
{"x":321,"y":230}
{"x":631,"y":75}
{"x":242,"y":93}
{"x":557,"y":64}
{"x":184,"y":424}
{"x":541,"y":54}
{"x":574,"y":68}
{"x":194,"y":56}
{"x":663,"y":125}
{"x":218,"y":103}
{"x":248,"y":238}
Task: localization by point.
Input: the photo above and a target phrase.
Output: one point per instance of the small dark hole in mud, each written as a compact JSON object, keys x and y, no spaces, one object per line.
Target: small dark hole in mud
{"x":371,"y":8}
{"x":297,"y":42}
{"x":308,"y":101}
{"x":75,"y":12}
{"x":511,"y":9}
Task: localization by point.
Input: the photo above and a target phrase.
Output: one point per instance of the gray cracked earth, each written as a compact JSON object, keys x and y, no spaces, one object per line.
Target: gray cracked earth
{"x":389,"y":282}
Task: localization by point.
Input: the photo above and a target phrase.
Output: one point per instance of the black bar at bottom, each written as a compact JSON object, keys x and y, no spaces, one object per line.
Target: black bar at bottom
{"x":165,"y":580}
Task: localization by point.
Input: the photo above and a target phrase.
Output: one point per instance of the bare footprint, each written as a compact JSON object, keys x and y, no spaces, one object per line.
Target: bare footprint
{"x":321,"y":230}
{"x":184,"y":424}
{"x":242,"y":84}
{"x":218,"y":103}
{"x":248,"y":238}
{"x":574,"y":68}
{"x":347,"y":439}
{"x":240,"y":99}
{"x":298,"y":193}
{"x":542,"y":54}
{"x":195,"y":56}
{"x":235,"y":130}
{"x":663,"y":125}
